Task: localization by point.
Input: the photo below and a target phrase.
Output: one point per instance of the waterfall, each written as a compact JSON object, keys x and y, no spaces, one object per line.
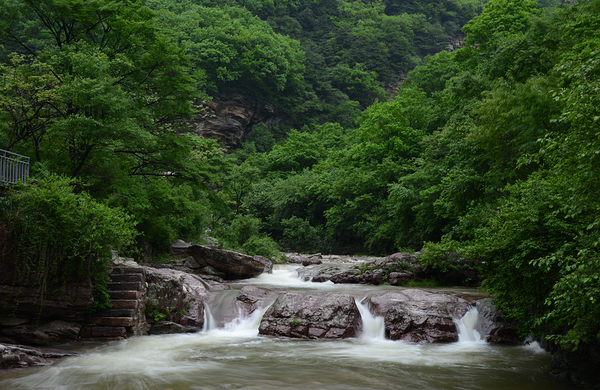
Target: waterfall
{"x":246,"y":324}
{"x":230,"y":320}
{"x":373,"y":327}
{"x":466,"y":327}
{"x":209,"y":320}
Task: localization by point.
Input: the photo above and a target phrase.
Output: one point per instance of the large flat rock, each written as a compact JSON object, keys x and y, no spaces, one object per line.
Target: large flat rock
{"x":418,"y":315}
{"x":233,"y":265}
{"x":312,"y":315}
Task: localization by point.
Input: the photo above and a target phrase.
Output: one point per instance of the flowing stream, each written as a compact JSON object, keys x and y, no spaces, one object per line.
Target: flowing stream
{"x":229,"y":354}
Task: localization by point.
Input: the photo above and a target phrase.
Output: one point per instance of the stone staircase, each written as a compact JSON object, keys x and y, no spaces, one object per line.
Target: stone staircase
{"x":127,"y":317}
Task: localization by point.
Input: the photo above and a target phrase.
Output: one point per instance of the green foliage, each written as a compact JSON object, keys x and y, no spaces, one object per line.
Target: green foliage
{"x":153,"y":312}
{"x":487,"y":156}
{"x":442,"y":256}
{"x":234,"y":48}
{"x":98,"y":97}
{"x":358,"y":84}
{"x":422,"y":283}
{"x":242,"y":234}
{"x":299,"y":235}
{"x":51,"y":235}
{"x":294,"y":322}
{"x":261,"y":245}
{"x":500,"y":18}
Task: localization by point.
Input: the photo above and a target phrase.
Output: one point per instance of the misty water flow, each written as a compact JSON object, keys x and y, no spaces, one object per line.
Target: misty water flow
{"x":229,"y":354}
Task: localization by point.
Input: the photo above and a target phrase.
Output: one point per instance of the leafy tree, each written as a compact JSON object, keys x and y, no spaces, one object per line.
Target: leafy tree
{"x":98,"y":97}
{"x":234,"y":49}
{"x":50,"y":236}
{"x":500,"y":18}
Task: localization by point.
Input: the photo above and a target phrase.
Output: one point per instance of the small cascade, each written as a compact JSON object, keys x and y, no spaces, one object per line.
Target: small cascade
{"x":209,"y":320}
{"x":373,"y":327}
{"x":285,"y":276}
{"x":246,"y":325}
{"x":228,"y":319}
{"x":466,"y":327}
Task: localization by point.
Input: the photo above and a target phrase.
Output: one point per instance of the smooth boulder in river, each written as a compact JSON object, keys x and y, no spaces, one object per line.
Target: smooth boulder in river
{"x":418,"y":315}
{"x":234,"y":265}
{"x":313,"y":316}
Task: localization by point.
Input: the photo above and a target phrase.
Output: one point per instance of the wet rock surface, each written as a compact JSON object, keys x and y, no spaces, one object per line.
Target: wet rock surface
{"x":296,"y":258}
{"x":30,"y":317}
{"x":312,"y":315}
{"x":252,"y":298}
{"x":418,"y":315}
{"x":179,"y":249}
{"x":20,"y":356}
{"x":177,"y":295}
{"x":69,"y":302}
{"x":493,"y":327}
{"x":49,"y":333}
{"x":579,"y":367}
{"x":231,"y":265}
{"x":266,"y":262}
{"x":397,"y":270}
{"x":168,"y":327}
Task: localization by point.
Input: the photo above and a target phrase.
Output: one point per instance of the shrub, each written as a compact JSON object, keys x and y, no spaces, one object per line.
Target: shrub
{"x":299,"y":235}
{"x":51,"y":235}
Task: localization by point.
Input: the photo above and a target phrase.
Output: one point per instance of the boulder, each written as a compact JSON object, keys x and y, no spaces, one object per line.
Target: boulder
{"x":168,"y":327}
{"x":314,"y":316}
{"x":234,"y":265}
{"x":267,"y":263}
{"x":252,"y":298}
{"x":418,"y":315}
{"x":69,"y":302}
{"x":19,"y":356}
{"x":579,"y":366}
{"x":337,"y":273}
{"x":305,"y":261}
{"x":179,"y":249}
{"x":54,"y":332}
{"x":493,"y":327}
{"x":191,"y":263}
{"x":396,"y":269}
{"x":178,"y":295}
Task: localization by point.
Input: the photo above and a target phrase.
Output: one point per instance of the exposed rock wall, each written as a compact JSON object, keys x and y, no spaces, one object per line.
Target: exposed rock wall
{"x":228,"y":117}
{"x":27,"y":316}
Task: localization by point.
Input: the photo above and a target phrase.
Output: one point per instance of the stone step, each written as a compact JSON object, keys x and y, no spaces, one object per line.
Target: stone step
{"x":124,"y":294}
{"x":122,"y":286}
{"x":126,"y":277}
{"x":114,"y":313}
{"x":126,"y":270}
{"x":112,"y":321}
{"x":124,"y":303}
{"x":89,"y":332}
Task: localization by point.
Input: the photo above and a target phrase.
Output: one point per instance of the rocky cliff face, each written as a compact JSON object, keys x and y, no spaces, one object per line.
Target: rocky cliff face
{"x":229,"y":116}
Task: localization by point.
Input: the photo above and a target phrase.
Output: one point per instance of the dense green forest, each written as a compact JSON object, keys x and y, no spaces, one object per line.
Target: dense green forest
{"x":489,"y":153}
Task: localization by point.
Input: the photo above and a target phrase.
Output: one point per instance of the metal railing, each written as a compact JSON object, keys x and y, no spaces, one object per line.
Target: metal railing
{"x":13,"y":167}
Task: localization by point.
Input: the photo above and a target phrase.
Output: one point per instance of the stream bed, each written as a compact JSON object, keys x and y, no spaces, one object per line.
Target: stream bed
{"x":233,"y":356}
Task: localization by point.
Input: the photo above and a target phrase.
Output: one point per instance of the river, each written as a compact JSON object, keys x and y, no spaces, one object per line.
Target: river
{"x":233,"y":356}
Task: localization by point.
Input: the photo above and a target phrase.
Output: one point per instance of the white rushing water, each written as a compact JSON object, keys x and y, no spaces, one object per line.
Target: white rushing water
{"x":241,"y":326}
{"x":466,"y":327}
{"x":286,"y":276}
{"x":229,"y":354}
{"x":373,"y":327}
